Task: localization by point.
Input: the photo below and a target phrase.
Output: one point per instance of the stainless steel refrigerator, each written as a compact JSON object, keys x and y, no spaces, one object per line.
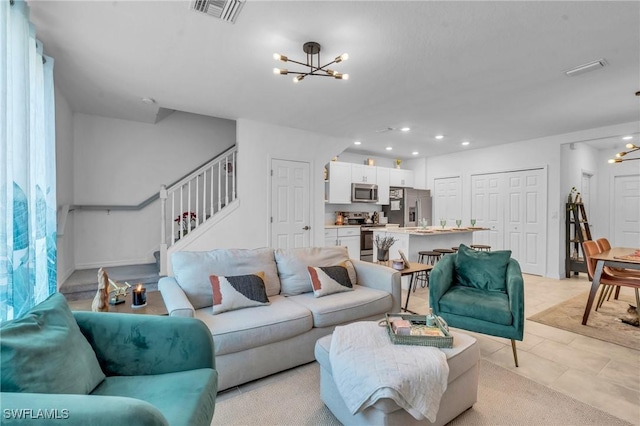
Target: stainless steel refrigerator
{"x":408,"y":206}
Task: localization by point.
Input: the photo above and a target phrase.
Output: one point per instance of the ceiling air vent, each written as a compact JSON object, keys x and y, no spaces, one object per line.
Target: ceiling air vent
{"x":227,"y":10}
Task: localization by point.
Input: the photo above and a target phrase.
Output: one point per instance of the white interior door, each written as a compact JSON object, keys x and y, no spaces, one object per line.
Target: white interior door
{"x":513,"y":206}
{"x":525,"y":214}
{"x":487,"y":209}
{"x":290,"y":204}
{"x":626,"y":211}
{"x":447,"y":200}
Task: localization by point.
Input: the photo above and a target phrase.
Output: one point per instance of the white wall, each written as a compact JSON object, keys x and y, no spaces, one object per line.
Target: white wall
{"x":120,"y":162}
{"x":64,"y":186}
{"x":258,"y":143}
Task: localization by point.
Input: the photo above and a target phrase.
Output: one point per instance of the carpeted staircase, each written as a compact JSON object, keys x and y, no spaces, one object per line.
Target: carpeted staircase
{"x":83,"y":283}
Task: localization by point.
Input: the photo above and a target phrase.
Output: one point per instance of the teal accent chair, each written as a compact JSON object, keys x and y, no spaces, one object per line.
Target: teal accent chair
{"x":147,"y":370}
{"x":481,"y":292}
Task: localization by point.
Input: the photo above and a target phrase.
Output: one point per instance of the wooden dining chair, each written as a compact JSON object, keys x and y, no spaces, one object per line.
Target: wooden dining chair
{"x":590,"y":248}
{"x":603,"y":245}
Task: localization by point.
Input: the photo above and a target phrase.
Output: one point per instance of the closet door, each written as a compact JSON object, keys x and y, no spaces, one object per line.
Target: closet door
{"x":487,"y":200}
{"x":513,"y":205}
{"x":447,"y":200}
{"x":525,"y":219}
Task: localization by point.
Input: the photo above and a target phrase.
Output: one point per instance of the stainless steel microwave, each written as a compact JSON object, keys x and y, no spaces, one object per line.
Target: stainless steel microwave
{"x":364,"y":193}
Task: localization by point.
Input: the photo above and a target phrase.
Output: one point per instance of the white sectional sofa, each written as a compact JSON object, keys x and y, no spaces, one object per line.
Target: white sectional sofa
{"x":255,"y":342}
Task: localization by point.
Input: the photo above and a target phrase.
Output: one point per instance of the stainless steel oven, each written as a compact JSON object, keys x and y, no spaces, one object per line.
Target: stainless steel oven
{"x":366,"y":242}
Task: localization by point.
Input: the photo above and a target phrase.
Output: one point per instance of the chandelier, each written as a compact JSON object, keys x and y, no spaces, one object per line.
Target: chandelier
{"x":312,"y":49}
{"x":631,"y":148}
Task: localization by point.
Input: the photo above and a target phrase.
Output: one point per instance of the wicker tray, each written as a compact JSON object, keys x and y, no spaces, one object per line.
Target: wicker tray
{"x":445,"y":341}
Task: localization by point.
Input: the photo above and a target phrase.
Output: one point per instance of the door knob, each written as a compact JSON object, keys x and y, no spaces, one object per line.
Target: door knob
{"x":306,"y":228}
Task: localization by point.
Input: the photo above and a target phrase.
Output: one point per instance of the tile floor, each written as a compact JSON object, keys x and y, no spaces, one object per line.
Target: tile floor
{"x":598,"y":373}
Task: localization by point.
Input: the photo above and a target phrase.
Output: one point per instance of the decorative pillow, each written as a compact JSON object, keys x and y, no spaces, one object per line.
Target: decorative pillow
{"x":486,"y":270}
{"x":293,"y":263}
{"x":45,"y":352}
{"x":241,"y":291}
{"x":329,"y":279}
{"x":192,"y":270}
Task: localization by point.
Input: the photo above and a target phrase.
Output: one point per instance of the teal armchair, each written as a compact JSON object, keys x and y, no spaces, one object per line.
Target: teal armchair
{"x":154,"y":370}
{"x":481,"y":292}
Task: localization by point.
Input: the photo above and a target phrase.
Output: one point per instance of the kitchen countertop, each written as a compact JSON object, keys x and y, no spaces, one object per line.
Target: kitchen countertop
{"x":431,"y":230}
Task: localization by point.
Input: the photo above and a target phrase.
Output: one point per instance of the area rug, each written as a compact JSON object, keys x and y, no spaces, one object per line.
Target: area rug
{"x":504,"y":398}
{"x":603,"y":324}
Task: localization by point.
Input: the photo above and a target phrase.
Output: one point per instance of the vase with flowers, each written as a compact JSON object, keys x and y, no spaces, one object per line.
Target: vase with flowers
{"x":185,"y":222}
{"x":383,"y":244}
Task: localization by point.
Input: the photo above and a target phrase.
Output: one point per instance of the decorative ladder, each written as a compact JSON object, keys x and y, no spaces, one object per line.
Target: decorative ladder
{"x":196,"y":199}
{"x":577,"y":232}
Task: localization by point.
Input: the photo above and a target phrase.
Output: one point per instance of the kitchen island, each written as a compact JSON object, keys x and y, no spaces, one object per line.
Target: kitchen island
{"x":413,"y":240}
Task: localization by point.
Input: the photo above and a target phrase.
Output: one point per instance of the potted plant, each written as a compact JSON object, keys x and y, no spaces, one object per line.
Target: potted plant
{"x":382,"y":245}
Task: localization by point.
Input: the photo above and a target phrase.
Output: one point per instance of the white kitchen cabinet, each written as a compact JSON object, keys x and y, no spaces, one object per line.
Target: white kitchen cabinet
{"x":401,"y":177}
{"x":349,"y":237}
{"x":339,"y":184}
{"x":382,"y":178}
{"x":363,"y":174}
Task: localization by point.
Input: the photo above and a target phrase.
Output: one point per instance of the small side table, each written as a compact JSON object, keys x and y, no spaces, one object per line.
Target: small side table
{"x":155,"y":305}
{"x":414,"y":267}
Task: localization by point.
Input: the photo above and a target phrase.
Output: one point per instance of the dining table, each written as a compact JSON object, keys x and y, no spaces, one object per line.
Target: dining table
{"x":616,"y":257}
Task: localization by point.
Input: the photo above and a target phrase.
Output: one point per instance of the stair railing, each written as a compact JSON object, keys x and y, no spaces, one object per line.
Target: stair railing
{"x":196,"y":198}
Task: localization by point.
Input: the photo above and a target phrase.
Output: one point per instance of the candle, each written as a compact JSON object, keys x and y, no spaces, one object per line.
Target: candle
{"x":139,"y":296}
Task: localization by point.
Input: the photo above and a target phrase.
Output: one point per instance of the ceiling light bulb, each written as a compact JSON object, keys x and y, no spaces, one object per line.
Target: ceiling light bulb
{"x":631,"y":146}
{"x":357,"y":143}
{"x":388,"y":148}
{"x":415,"y":153}
{"x":279,"y":57}
{"x":345,"y":76}
{"x":330,"y":71}
{"x":282,"y":71}
{"x":439,"y":137}
{"x":405,"y":129}
{"x":465,"y":143}
{"x":615,"y":160}
{"x":626,"y":138}
{"x":342,"y":57}
{"x":337,"y":75}
{"x":298,"y":78}
{"x":621,"y":154}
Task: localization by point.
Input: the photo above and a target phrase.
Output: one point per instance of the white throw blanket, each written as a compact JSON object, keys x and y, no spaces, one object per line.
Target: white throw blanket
{"x":367,"y":366}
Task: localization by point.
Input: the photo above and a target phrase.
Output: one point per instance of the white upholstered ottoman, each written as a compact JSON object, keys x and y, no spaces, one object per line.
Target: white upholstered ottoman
{"x":461,"y":393}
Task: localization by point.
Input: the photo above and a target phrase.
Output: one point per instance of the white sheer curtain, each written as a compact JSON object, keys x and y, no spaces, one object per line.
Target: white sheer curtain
{"x":27,"y":165}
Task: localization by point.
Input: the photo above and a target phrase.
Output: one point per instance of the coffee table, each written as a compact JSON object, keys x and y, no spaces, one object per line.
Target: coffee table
{"x":155,"y":305}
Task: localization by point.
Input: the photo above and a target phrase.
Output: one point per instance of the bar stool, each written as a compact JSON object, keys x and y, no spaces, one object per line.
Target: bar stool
{"x":481,"y":247}
{"x":428,"y":258}
{"x":444,"y":251}
{"x":454,"y":249}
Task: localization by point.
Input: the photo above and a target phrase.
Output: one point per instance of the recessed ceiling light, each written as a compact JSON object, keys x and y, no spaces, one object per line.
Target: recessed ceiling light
{"x":148,"y":101}
{"x":415,"y":153}
{"x":626,"y":138}
{"x":388,"y":148}
{"x":357,"y":143}
{"x":405,"y":129}
{"x":465,"y":143}
{"x":439,"y":136}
